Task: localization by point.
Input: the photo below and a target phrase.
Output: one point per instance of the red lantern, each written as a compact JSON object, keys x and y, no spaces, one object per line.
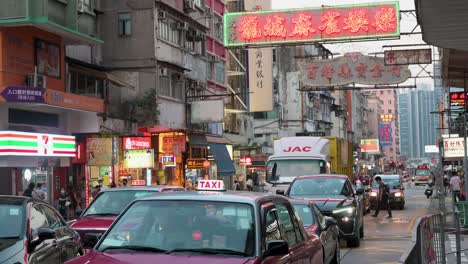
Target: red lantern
{"x":206,"y":164}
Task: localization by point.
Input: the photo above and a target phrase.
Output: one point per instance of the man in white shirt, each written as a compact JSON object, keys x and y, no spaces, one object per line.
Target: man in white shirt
{"x":38,"y":193}
{"x":455,"y":187}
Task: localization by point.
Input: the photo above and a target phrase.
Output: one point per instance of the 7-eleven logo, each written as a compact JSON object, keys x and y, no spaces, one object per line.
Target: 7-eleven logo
{"x":45,"y":144}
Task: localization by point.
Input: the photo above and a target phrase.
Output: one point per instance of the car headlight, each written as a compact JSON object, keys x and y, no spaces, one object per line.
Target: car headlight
{"x":398,"y":194}
{"x":373,"y":194}
{"x":348,"y":210}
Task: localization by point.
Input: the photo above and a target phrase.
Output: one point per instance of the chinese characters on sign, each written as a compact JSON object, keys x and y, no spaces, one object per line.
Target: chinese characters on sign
{"x":457,"y":98}
{"x":406,"y":57}
{"x":136,"y":143}
{"x":385,"y":134}
{"x":351,"y":68}
{"x":195,"y":164}
{"x":138,"y":158}
{"x":370,"y":145}
{"x":365,"y":21}
{"x":23,"y":94}
{"x":453,"y":147}
{"x":168,"y":161}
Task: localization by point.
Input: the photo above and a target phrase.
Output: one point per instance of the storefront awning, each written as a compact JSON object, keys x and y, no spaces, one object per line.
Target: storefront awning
{"x":223,"y":160}
{"x":197,"y":140}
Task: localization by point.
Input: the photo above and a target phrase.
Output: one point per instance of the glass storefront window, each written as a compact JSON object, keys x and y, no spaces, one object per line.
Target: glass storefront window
{"x":37,"y":175}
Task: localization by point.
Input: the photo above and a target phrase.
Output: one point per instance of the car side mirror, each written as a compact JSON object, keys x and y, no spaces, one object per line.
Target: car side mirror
{"x":43,"y":234}
{"x":91,"y":239}
{"x":359,"y":191}
{"x":276,"y":248}
{"x":280,"y":192}
{"x":329,"y":222}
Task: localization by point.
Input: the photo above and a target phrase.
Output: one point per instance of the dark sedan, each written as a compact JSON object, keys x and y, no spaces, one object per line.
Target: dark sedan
{"x":335,"y":196}
{"x":315,"y":223}
{"x":32,"y":231}
{"x":397,"y":194}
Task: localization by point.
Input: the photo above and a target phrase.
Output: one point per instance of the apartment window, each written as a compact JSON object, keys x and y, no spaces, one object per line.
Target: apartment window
{"x":218,"y":27}
{"x":85,"y":84}
{"x":171,"y":86}
{"x":125,"y":24}
{"x":220,"y":72}
{"x":381,"y":92}
{"x":199,"y":3}
{"x":389,"y":101}
{"x":389,"y":92}
{"x":209,"y":70}
{"x":389,"y":111}
{"x":18,"y":116}
{"x":258,"y":135}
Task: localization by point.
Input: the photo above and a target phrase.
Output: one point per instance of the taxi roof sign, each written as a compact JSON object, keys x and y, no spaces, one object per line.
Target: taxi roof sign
{"x":211,"y":185}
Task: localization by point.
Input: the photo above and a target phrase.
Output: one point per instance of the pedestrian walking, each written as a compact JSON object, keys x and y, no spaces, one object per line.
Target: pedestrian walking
{"x":29,"y":190}
{"x":73,"y":203}
{"x":124,"y":182}
{"x":382,"y":198}
{"x":63,"y":203}
{"x":38,"y":193}
{"x":237,"y":185}
{"x":96,"y":191}
{"x":112,"y":185}
{"x":249,"y":184}
{"x":455,"y":183}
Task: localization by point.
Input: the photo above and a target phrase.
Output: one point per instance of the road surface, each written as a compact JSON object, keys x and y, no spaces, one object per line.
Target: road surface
{"x":385,"y":239}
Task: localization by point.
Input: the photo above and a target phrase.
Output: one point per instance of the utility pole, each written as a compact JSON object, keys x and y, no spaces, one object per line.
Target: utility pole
{"x":465,"y":159}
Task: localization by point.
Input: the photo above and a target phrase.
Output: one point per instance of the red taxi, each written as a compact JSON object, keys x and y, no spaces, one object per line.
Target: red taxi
{"x":207,"y":226}
{"x":105,"y":208}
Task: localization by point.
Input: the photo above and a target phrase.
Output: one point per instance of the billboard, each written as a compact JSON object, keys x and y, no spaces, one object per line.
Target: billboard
{"x":260,"y":69}
{"x":203,"y":112}
{"x":351,"y":68}
{"x":136,"y":143}
{"x":13,"y":143}
{"x":431,"y":149}
{"x":370,"y":145}
{"x":386,"y":118}
{"x":454,"y":147}
{"x":385,"y":134}
{"x":326,"y":23}
{"x":139,"y":158}
{"x":406,"y":57}
{"x":457,"y":99}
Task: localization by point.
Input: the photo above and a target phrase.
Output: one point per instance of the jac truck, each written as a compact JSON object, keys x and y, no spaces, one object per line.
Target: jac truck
{"x":298,"y":156}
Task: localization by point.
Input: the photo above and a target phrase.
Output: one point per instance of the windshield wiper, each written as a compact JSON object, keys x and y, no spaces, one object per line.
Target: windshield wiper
{"x":210,"y":251}
{"x":134,"y":248}
{"x":9,"y":237}
{"x":101,"y":214}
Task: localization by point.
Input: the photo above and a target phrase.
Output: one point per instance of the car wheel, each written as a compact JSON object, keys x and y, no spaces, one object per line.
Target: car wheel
{"x":337,"y":258}
{"x":402,"y":207}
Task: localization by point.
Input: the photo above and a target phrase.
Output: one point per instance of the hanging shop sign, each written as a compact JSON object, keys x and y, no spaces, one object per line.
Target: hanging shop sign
{"x":173,"y":144}
{"x":352,"y":68}
{"x":331,"y":23}
{"x":22,"y":94}
{"x":245,"y":161}
{"x":136,"y":143}
{"x":138,"y":158}
{"x":385,"y":134}
{"x":80,"y":156}
{"x":13,"y":143}
{"x":195,"y":164}
{"x":457,"y":99}
{"x":99,"y":151}
{"x":168,"y":161}
{"x":454,"y":147}
{"x":406,"y":57}
{"x":370,"y":145}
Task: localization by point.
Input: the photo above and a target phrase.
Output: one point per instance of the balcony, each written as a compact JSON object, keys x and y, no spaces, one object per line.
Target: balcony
{"x":74,"y":20}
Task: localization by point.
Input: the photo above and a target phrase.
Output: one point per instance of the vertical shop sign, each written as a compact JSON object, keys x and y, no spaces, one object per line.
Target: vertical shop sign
{"x":260,"y":69}
{"x":99,"y":151}
{"x":385,"y":134}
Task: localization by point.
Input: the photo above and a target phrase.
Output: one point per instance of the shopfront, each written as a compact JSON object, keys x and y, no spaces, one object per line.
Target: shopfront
{"x":35,"y":158}
{"x":137,"y":161}
{"x":171,"y":164}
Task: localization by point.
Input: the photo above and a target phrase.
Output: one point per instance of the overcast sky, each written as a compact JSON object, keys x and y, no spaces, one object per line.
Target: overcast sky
{"x":408,"y":21}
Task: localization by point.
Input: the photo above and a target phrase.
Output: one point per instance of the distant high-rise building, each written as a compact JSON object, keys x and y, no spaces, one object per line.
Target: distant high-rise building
{"x":418,"y":127}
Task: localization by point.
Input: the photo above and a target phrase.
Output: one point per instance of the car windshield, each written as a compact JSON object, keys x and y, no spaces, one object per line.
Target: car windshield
{"x":391,"y":182}
{"x":284,"y":171}
{"x":305,"y":214}
{"x":113,"y":202}
{"x":319,"y":186}
{"x":204,"y":227}
{"x":423,"y":172}
{"x":12,"y":224}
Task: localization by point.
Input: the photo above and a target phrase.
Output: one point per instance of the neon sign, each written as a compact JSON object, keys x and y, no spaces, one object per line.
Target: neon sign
{"x":364,"y":21}
{"x":385,"y":134}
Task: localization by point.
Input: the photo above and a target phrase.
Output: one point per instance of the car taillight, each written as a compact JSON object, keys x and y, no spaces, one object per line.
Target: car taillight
{"x":26,"y":250}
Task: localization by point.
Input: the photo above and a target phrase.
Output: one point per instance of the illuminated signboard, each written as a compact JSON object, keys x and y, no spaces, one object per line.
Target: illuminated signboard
{"x":370,"y":145}
{"x":139,"y":158}
{"x":168,"y":161}
{"x":457,"y":98}
{"x":196,"y":164}
{"x":13,"y":143}
{"x":136,"y":143}
{"x":385,"y":134}
{"x":363,"y":21}
{"x":406,"y":57}
{"x":386,"y":118}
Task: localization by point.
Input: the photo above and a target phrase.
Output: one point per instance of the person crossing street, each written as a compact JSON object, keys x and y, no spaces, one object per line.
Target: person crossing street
{"x":382,"y":198}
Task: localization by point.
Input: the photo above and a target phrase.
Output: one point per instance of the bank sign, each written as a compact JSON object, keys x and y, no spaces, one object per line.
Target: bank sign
{"x":333,"y":23}
{"x":13,"y":143}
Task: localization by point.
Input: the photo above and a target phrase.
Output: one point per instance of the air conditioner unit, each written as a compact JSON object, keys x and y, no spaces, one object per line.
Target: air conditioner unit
{"x":216,"y":59}
{"x":36,"y":80}
{"x":162,"y":15}
{"x":191,"y":34}
{"x":80,"y":6}
{"x":183,"y":26}
{"x":163,"y":72}
{"x":189,"y":6}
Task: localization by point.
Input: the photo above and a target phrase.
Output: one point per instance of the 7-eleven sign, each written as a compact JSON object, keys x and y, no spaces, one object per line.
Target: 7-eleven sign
{"x":45,"y":146}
